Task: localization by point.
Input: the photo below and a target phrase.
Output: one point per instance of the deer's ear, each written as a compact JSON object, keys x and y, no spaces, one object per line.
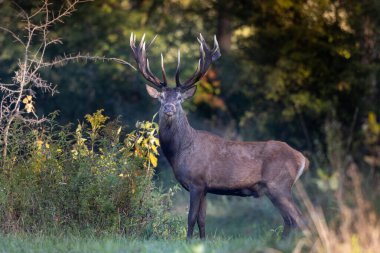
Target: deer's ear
{"x":152,"y":91}
{"x":189,"y":93}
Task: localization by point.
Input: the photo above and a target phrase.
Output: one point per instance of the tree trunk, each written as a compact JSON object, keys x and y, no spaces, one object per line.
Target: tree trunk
{"x":224,"y":28}
{"x":370,"y":52}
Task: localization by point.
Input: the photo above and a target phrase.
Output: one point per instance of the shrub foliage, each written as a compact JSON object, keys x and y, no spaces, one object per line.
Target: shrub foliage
{"x":97,"y":177}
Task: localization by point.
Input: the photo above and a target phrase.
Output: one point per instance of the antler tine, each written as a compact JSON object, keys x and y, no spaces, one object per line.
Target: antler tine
{"x":207,"y":56}
{"x":216,"y":51}
{"x":131,"y":40}
{"x":163,"y":69}
{"x":177,"y":81}
{"x":143,"y":50}
{"x":142,"y":42}
{"x":151,"y":42}
{"x":216,"y":44}
{"x":155,"y":79}
{"x":140,"y":55}
{"x":195,"y":78}
{"x":203,"y":41}
{"x":203,"y":56}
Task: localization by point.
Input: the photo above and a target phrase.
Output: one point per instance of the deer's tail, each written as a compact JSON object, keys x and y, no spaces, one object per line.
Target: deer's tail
{"x":304,"y":167}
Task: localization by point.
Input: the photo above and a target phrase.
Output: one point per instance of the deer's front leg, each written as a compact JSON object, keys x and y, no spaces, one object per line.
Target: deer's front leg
{"x":202,"y":216}
{"x":195,"y":199}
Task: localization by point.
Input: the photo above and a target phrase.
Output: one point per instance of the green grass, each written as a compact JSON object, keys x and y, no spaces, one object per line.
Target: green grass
{"x":233,"y":225}
{"x":115,"y":244}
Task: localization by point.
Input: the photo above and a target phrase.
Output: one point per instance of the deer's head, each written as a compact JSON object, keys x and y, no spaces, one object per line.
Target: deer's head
{"x":172,"y":98}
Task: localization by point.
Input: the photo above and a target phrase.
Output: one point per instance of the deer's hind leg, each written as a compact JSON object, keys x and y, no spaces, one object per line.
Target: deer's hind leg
{"x":283,"y":200}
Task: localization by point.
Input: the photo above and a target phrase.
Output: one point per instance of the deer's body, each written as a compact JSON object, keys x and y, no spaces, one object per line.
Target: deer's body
{"x":205,"y":163}
{"x":221,"y":166}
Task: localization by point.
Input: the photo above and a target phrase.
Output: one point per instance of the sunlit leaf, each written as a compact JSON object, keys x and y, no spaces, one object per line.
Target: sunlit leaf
{"x":154,"y":148}
{"x":153,"y":159}
{"x":156,"y":141}
{"x":29,"y":107}
{"x":145,"y":143}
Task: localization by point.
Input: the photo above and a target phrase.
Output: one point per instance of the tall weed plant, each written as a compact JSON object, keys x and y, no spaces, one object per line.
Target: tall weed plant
{"x":96,"y":178}
{"x":347,"y":220}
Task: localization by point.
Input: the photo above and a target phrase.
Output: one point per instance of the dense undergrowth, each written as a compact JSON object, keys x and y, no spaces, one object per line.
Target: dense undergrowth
{"x":97,"y":178}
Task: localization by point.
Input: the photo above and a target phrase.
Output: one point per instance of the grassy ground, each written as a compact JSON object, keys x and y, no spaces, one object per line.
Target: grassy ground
{"x":233,"y":224}
{"x":67,"y":244}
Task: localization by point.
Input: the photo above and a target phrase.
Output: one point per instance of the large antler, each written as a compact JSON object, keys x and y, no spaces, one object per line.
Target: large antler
{"x":207,"y":56}
{"x":140,"y":55}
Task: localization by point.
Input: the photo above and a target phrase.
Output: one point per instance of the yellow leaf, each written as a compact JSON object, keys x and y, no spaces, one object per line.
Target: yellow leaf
{"x":153,"y":160}
{"x":154,"y":148}
{"x":145,"y":143}
{"x":29,"y":98}
{"x":39,"y":144}
{"x":29,"y":108}
{"x":138,"y":152}
{"x":156,"y":141}
{"x":25,"y":100}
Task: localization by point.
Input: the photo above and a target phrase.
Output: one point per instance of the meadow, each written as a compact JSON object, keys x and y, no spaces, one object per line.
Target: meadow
{"x":114,"y":244}
{"x":237,"y":225}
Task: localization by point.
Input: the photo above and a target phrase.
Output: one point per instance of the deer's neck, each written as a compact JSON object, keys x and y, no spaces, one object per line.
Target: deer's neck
{"x":176,"y":135}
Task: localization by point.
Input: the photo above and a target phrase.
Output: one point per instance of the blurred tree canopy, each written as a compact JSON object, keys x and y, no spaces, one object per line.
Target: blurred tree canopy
{"x":287,"y":67}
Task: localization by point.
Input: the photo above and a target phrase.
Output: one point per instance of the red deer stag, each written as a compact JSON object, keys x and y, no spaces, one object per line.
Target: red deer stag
{"x":205,"y":163}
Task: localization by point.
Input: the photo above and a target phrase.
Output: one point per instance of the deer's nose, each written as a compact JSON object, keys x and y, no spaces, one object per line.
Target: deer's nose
{"x":169,"y":109}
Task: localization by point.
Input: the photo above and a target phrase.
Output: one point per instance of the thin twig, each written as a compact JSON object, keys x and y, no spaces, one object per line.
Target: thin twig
{"x":13,"y":35}
{"x":59,"y":61}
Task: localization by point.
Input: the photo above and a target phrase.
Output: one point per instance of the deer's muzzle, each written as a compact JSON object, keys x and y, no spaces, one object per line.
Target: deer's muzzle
{"x":169,"y":109}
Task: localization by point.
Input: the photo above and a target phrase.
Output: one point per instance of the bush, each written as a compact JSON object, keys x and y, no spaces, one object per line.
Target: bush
{"x":96,"y":178}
